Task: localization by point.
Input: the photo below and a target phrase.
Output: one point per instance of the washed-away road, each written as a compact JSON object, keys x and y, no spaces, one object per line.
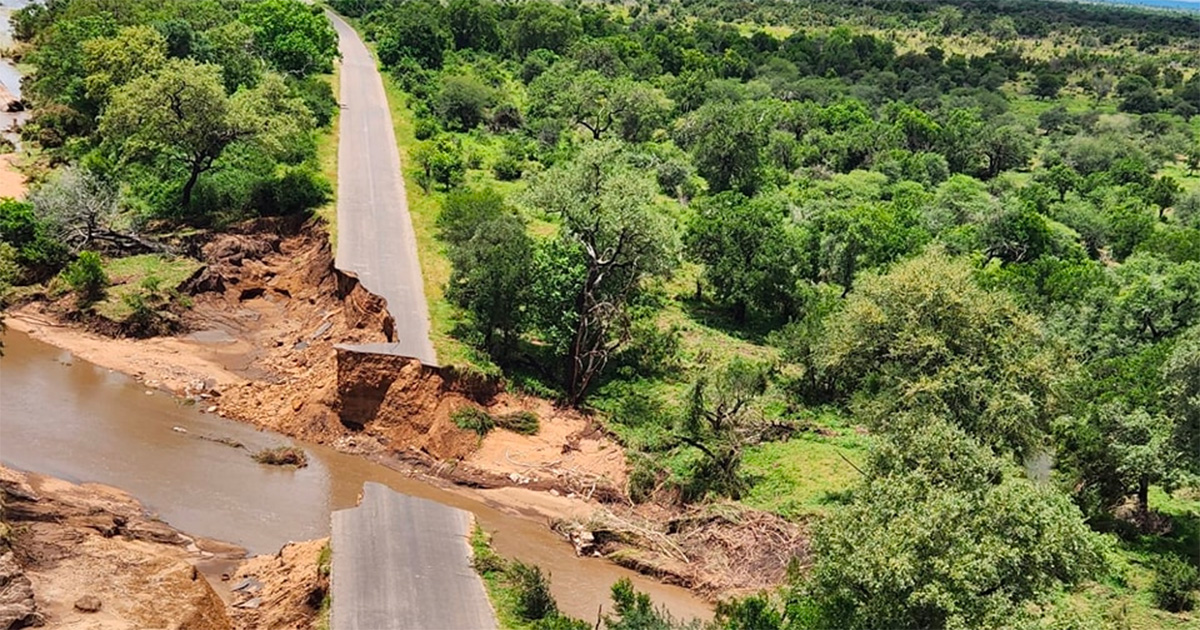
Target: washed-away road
{"x":375,"y":234}
{"x":403,"y":563}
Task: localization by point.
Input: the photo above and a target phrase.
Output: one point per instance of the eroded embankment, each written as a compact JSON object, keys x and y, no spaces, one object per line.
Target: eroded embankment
{"x":262,"y":346}
{"x":90,"y":556}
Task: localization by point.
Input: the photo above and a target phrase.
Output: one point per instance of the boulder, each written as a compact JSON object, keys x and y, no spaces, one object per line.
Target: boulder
{"x":88,"y":604}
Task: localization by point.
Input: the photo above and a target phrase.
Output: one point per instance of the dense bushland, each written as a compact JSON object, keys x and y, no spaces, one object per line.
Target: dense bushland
{"x":984,"y":253}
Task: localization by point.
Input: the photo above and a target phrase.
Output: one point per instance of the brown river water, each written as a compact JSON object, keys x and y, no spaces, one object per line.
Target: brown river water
{"x":67,"y":418}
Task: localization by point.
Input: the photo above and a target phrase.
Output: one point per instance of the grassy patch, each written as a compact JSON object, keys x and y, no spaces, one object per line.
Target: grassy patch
{"x":1125,"y":598}
{"x":472,"y":419}
{"x":327,"y":158}
{"x":803,"y":476}
{"x":491,"y":567}
{"x":324,"y":569}
{"x":128,"y":274}
{"x":517,"y":590}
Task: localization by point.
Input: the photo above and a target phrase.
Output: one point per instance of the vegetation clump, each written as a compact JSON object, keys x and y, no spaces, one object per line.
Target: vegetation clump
{"x":473,"y":419}
{"x":86,"y":277}
{"x":523,"y":422}
{"x":481,"y":422}
{"x":282,"y":456}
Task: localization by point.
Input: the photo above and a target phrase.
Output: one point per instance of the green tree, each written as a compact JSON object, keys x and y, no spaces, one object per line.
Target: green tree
{"x":616,"y":238}
{"x":474,"y":24}
{"x":861,"y":236}
{"x":943,"y":534}
{"x":598,"y":103}
{"x":441,"y":162}
{"x":182,"y":116}
{"x":111,"y":62}
{"x":1181,"y":400}
{"x":462,"y":102}
{"x":1061,"y":177}
{"x":295,"y":36}
{"x":1048,"y":84}
{"x":465,"y":209}
{"x":231,"y":46}
{"x":925,"y":337}
{"x":541,"y":24}
{"x":752,"y":254}
{"x":1156,"y":298}
{"x":413,"y":30}
{"x":59,"y":59}
{"x":632,"y":610}
{"x":717,"y":422}
{"x":1016,"y":235}
{"x":1163,"y":193}
{"x":727,"y":142}
{"x":37,"y":251}
{"x":1005,"y":146}
{"x":491,"y":280}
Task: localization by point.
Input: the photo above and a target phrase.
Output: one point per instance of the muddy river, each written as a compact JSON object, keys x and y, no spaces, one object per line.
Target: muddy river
{"x":64,"y":417}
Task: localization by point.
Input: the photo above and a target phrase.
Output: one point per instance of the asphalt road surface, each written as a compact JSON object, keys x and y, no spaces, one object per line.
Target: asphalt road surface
{"x":403,"y":563}
{"x":375,"y":234}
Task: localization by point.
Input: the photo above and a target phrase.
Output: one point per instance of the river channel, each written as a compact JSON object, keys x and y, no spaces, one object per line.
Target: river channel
{"x":64,"y":417}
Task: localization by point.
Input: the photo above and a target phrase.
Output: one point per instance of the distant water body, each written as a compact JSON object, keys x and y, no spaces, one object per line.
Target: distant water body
{"x":1177,"y":5}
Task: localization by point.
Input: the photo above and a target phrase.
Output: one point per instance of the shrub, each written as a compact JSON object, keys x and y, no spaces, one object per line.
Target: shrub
{"x":465,"y":209}
{"x":472,"y":419}
{"x":508,"y":168}
{"x":534,"y":600}
{"x":425,"y":128}
{"x":86,"y":277}
{"x":317,"y":95}
{"x":282,"y":456}
{"x":523,"y":422}
{"x":294,"y":191}
{"x":36,"y":250}
{"x":1175,"y":585}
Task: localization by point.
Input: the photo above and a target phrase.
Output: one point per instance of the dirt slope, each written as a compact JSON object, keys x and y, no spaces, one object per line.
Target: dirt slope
{"x":83,"y":546}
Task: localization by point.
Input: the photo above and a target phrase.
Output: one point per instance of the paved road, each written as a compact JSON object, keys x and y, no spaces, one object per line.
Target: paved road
{"x":375,"y":234}
{"x":403,"y":563}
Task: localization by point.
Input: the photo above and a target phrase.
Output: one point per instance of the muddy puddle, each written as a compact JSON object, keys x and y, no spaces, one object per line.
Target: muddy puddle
{"x":64,"y":417}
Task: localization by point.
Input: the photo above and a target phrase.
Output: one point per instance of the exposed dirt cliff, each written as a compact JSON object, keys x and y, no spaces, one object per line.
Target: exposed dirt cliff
{"x":91,"y":557}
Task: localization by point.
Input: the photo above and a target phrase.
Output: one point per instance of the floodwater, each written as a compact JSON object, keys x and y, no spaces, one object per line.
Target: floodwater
{"x":64,"y":417}
{"x":10,"y":77}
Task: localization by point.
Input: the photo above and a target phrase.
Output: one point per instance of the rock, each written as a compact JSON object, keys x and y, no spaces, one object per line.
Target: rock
{"x":211,"y":409}
{"x":17,"y":607}
{"x":553,"y":492}
{"x":250,"y":603}
{"x":179,"y":429}
{"x":88,"y":604}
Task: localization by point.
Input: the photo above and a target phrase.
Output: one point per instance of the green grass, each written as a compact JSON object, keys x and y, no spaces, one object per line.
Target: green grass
{"x":805,"y":475}
{"x":502,"y":594}
{"x":327,"y":158}
{"x":1123,"y":599}
{"x":127,"y":274}
{"x":324,"y":568}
